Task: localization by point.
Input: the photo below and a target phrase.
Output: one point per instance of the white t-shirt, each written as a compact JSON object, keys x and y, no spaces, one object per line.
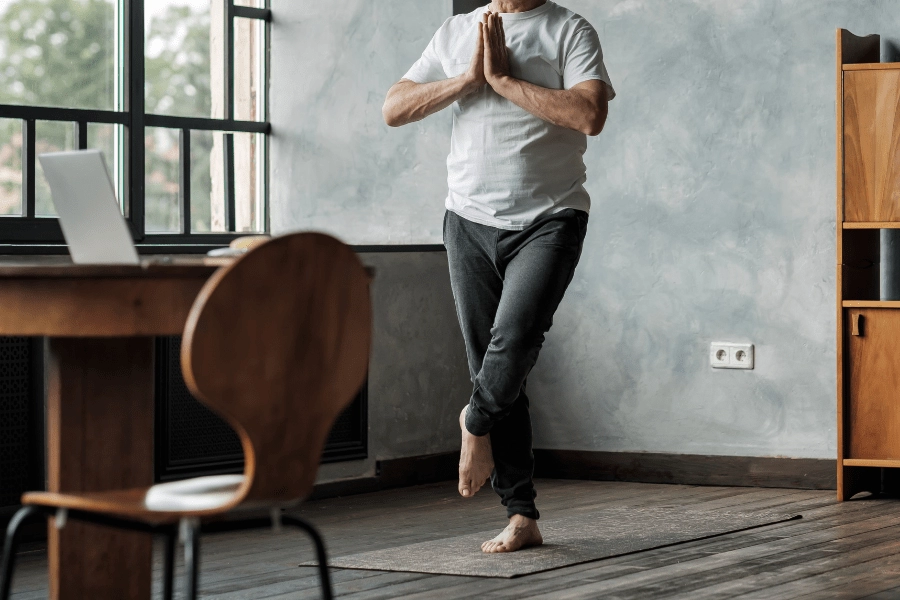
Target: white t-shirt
{"x":506,"y":166}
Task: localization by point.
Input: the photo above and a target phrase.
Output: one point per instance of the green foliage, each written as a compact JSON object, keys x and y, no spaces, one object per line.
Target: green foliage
{"x":177,"y":63}
{"x":52,"y":53}
{"x":61,"y":53}
{"x":177,"y":81}
{"x":58,"y":53}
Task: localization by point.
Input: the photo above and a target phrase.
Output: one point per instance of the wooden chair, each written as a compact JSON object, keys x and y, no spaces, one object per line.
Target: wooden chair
{"x":277,"y":344}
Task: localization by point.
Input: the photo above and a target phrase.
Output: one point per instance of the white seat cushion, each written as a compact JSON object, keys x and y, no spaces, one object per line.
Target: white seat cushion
{"x":199,"y":493}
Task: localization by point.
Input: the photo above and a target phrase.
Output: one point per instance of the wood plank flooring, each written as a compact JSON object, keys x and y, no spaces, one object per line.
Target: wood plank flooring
{"x":838,"y":550}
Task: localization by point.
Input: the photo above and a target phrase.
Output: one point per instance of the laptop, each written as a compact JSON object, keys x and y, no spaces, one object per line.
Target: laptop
{"x":89,"y":215}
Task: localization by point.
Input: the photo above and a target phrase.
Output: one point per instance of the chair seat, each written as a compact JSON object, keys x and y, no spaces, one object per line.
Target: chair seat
{"x":161,"y":503}
{"x":199,"y":493}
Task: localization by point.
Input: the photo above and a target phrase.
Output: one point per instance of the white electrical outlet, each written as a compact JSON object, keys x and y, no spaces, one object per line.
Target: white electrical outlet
{"x":730,"y":355}
{"x":719,"y":355}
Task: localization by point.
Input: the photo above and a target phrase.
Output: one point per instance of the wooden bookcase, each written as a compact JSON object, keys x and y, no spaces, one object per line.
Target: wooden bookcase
{"x":868,"y":330}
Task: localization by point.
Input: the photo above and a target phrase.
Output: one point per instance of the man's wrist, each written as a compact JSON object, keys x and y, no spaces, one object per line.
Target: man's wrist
{"x":502,"y":83}
{"x":469,"y":84}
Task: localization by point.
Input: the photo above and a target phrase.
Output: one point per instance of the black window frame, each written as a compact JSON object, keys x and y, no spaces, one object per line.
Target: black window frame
{"x":42,"y":235}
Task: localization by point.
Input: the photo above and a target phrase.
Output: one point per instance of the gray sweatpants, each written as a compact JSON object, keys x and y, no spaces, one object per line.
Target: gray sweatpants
{"x":507,"y":286}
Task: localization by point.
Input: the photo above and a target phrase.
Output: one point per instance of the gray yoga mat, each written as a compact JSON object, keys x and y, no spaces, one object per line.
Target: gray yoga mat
{"x":568,"y":540}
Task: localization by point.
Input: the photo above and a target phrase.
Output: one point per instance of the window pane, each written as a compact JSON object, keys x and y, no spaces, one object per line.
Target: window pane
{"x":102,"y":136}
{"x":58,"y":53}
{"x":162,"y":211}
{"x":10,"y":167}
{"x":50,"y":136}
{"x":248,"y":180}
{"x":205,"y":204}
{"x":253,"y":3}
{"x":249,"y":44}
{"x":177,"y":57}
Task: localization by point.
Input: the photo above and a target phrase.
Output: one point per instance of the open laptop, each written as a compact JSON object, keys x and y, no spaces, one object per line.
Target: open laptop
{"x":89,"y":214}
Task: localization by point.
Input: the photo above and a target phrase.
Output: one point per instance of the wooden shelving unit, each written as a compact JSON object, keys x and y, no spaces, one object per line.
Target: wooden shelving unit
{"x":880,"y":225}
{"x":870,"y":304}
{"x":869,"y":66}
{"x":868,"y":330}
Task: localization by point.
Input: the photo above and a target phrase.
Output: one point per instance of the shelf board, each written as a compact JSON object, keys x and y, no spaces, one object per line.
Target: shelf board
{"x":871,"y":66}
{"x":870,"y":462}
{"x":871,"y":303}
{"x":872,"y":225}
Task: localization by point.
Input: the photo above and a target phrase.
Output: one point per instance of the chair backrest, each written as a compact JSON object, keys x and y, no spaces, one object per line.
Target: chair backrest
{"x":278,"y":344}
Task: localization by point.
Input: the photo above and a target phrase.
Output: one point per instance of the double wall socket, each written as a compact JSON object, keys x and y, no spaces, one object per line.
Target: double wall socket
{"x":728,"y":355}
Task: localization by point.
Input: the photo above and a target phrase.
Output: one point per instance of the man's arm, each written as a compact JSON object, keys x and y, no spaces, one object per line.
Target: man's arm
{"x":408,"y":101}
{"x":583,"y":108}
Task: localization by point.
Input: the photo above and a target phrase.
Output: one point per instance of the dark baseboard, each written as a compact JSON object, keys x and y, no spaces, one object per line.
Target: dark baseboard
{"x":690,"y":469}
{"x":395,"y":473}
{"x":643,"y":467}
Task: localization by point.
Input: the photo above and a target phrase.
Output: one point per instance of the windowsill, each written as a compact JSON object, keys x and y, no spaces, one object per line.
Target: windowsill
{"x":156,"y":249}
{"x":62,"y":249}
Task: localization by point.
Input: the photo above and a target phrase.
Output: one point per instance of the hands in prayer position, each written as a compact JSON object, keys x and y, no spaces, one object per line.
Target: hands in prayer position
{"x":496,"y":55}
{"x":582,"y":108}
{"x":490,"y":59}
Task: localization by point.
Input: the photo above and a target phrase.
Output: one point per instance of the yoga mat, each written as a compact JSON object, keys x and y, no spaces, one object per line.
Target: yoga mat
{"x":568,"y":540}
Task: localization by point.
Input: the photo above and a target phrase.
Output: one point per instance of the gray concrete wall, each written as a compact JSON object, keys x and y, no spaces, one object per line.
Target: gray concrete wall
{"x":713,"y":217}
{"x":335,"y":166}
{"x":418,"y":378}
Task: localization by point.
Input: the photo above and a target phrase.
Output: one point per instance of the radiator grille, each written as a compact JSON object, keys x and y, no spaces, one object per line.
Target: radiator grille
{"x":15,"y":424}
{"x":194,"y":432}
{"x":193,"y":441}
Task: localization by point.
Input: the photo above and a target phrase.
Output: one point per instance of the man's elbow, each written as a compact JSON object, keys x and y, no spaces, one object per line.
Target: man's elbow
{"x":595,"y":123}
{"x":391,"y":119}
{"x":593,"y":129}
{"x":390,"y":114}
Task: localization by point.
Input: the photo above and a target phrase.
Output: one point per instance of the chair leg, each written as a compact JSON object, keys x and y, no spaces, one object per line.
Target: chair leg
{"x":322,"y":556}
{"x":169,"y":565}
{"x":9,"y":547}
{"x":191,"y":559}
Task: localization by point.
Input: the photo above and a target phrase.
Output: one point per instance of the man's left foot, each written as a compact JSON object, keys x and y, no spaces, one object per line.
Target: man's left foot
{"x":476,"y":461}
{"x":521,"y":532}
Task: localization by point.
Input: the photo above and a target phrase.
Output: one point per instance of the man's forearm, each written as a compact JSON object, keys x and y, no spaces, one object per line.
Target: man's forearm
{"x":408,"y":101}
{"x":567,"y":108}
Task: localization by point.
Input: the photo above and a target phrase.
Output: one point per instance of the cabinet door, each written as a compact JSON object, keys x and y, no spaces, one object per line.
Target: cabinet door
{"x":872,"y":383}
{"x":872,"y":145}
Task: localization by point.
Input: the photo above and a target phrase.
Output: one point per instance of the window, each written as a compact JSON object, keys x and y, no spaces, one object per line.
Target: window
{"x":172,"y":91}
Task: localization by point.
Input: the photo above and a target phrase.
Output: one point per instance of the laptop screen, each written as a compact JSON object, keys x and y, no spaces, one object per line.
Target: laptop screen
{"x":89,"y":215}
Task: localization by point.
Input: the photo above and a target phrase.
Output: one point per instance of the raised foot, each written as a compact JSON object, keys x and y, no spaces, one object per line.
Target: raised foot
{"x":476,"y":460}
{"x":521,"y":532}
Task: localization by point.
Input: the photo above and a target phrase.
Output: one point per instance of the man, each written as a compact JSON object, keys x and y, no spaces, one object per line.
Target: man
{"x":527,"y":83}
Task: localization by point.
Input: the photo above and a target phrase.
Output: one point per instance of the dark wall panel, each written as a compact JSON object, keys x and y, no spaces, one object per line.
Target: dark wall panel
{"x":21,"y":418}
{"x":191,"y":440}
{"x":461,"y":7}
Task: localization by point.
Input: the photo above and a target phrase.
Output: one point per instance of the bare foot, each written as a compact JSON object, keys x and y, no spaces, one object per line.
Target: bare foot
{"x":476,"y":461}
{"x":521,"y":532}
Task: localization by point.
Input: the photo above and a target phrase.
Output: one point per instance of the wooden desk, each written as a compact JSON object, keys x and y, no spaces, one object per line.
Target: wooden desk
{"x":100,"y":321}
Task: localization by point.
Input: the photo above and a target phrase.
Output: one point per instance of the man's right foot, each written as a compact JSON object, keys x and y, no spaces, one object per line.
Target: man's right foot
{"x":522,"y":532}
{"x":476,"y":461}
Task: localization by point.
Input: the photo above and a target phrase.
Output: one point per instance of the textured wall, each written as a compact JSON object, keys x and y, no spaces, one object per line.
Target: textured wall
{"x":713,"y":190}
{"x":335,"y":165}
{"x":418,"y":378}
{"x":713,"y":220}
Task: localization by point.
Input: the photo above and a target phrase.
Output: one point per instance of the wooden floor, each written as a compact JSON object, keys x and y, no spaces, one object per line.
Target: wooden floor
{"x":848,"y":550}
